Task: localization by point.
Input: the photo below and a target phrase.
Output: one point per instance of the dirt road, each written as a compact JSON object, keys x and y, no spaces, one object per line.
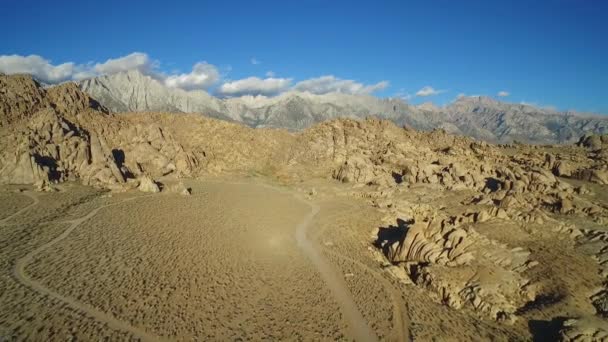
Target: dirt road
{"x":267,"y":280}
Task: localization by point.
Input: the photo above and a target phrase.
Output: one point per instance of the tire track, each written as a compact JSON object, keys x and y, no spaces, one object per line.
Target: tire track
{"x":358,"y":325}
{"x":35,"y":202}
{"x":402,"y":323}
{"x":22,"y":277}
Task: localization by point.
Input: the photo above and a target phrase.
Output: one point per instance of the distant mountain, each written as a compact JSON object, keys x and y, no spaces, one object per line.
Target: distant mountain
{"x":479,"y":117}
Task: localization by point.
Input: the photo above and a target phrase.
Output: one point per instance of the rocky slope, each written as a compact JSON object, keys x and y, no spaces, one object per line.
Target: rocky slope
{"x":478,"y":117}
{"x":506,"y":233}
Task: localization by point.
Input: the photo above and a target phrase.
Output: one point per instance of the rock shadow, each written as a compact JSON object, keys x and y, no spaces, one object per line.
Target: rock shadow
{"x":493,"y":184}
{"x":50,"y":164}
{"x":388,"y":235}
{"x":546,"y":330}
{"x":397,"y":177}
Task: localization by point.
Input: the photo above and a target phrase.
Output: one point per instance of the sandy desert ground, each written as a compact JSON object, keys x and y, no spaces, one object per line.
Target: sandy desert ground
{"x":223,"y":264}
{"x":240,"y":259}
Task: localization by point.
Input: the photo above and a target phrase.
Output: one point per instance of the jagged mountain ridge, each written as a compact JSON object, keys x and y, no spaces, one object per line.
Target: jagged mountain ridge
{"x":480,"y":117}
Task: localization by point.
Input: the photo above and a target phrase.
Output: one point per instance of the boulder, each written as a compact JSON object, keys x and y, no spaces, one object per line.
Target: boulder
{"x":178,"y":188}
{"x":147,"y":184}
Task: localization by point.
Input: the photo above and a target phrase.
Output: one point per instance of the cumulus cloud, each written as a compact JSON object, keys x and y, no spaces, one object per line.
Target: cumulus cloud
{"x":255,"y":86}
{"x":38,"y":67}
{"x":428,"y":91}
{"x":503,"y":93}
{"x":255,"y":61}
{"x":42,"y":69}
{"x":330,"y":84}
{"x":135,"y":61}
{"x":203,"y":76}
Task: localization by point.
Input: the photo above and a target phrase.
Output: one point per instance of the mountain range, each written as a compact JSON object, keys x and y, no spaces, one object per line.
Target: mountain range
{"x":477,"y":116}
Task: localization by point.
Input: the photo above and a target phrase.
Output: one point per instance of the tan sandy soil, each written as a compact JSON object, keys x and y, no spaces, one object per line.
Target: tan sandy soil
{"x":28,"y":314}
{"x":226,"y":264}
{"x":345,"y":229}
{"x":11,"y":203}
{"x":221,"y":264}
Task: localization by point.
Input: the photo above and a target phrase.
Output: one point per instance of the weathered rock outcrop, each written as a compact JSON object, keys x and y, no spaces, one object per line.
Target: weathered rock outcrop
{"x":460,"y":266}
{"x":67,"y":136}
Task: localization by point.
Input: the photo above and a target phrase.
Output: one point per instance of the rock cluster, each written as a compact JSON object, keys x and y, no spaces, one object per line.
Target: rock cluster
{"x":460,"y":266}
{"x":517,"y":185}
{"x":67,"y":137}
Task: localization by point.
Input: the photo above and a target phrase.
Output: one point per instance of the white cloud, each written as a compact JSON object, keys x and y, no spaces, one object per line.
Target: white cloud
{"x":254,"y":61}
{"x":503,"y":93}
{"x":38,"y":67}
{"x":329,"y":84}
{"x":135,"y":61}
{"x":203,"y":76}
{"x":43,"y":70}
{"x":428,"y":91}
{"x":255,"y":86}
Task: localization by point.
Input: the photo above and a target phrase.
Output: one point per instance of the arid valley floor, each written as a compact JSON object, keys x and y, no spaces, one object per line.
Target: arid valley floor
{"x":161,"y":226}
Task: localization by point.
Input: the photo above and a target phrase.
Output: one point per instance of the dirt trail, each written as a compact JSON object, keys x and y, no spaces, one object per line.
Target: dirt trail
{"x":35,"y":201}
{"x":22,"y":277}
{"x":360,"y":330}
{"x":402,"y":321}
{"x":358,"y":326}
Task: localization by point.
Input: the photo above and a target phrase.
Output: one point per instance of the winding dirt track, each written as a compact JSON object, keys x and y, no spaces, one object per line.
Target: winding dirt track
{"x":401,"y":321}
{"x":22,"y":277}
{"x":358,"y":326}
{"x":360,"y":330}
{"x":35,"y":201}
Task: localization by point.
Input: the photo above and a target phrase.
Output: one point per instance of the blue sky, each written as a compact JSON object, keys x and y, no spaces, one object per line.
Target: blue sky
{"x":551,"y":53}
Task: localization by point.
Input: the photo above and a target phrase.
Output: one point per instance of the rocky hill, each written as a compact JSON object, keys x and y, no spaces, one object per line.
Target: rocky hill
{"x":463,"y":219}
{"x":58,"y":129}
{"x":480,"y":117}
